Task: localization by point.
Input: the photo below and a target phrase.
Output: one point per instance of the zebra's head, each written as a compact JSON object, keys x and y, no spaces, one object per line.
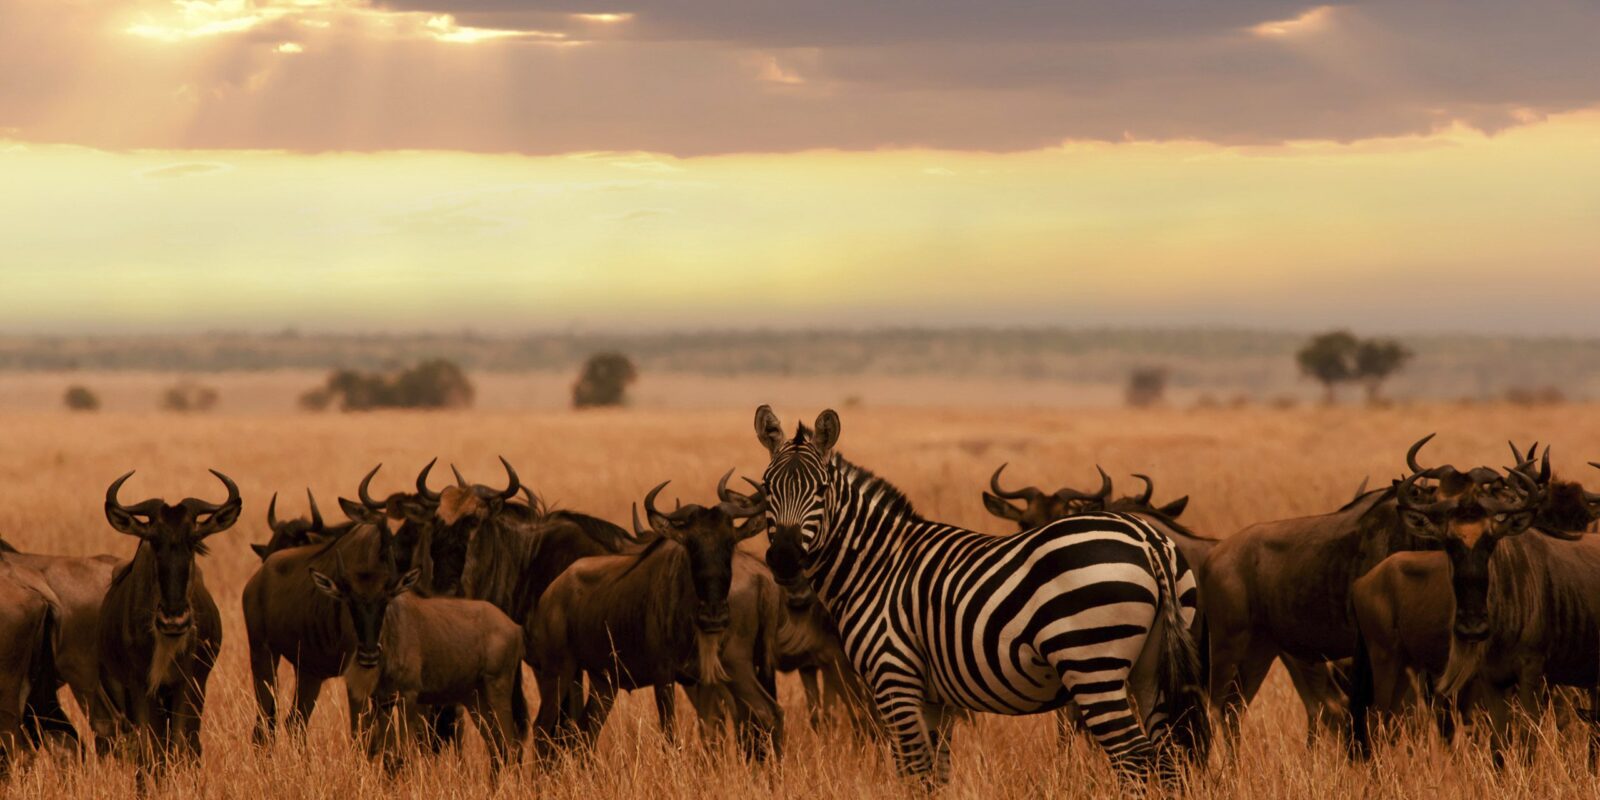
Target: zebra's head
{"x":796,"y":483}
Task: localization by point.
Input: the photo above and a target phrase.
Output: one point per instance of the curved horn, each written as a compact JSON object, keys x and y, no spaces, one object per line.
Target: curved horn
{"x":1149,"y":489}
{"x":272,"y":511}
{"x":639,"y":531}
{"x":650,"y":511}
{"x":114,"y":488}
{"x":1105,"y":484}
{"x":364,"y":495}
{"x":1411,"y":455}
{"x":422,"y":484}
{"x":1590,"y":496}
{"x":233,"y":492}
{"x":460,"y":481}
{"x":316,"y":514}
{"x":1026,"y":493}
{"x":1099,"y":496}
{"x":1544,"y":466}
{"x":723,"y":493}
{"x":515,"y":483}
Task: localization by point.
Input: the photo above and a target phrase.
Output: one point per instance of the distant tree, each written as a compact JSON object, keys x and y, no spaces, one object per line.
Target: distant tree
{"x":437,"y":383}
{"x":1330,"y":358}
{"x":604,"y":381}
{"x":187,"y":396}
{"x":1376,"y":360}
{"x":1147,"y":386}
{"x":79,"y":398}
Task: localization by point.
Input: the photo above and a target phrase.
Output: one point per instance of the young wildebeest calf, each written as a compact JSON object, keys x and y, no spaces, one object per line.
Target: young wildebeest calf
{"x":414,"y":651}
{"x":159,"y":628}
{"x":655,"y":619}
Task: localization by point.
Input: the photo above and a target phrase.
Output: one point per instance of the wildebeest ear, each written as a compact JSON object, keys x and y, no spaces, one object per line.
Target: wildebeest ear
{"x":752,"y":526}
{"x":769,"y":431}
{"x":261,"y":550}
{"x":357,"y":512}
{"x":1000,"y":508}
{"x":406,"y":583}
{"x":1175,"y":508}
{"x":221,"y":519}
{"x":325,"y":584}
{"x":827,"y":431}
{"x":124,"y":522}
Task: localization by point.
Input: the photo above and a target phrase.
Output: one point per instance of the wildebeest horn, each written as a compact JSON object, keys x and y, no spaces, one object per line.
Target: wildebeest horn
{"x":1026,"y":493}
{"x":460,"y":481}
{"x":723,"y":493}
{"x":272,"y":511}
{"x":233,"y":494}
{"x":515,"y":483}
{"x":650,"y":511}
{"x":1411,"y":455}
{"x":1105,"y":489}
{"x":316,"y":514}
{"x":1149,"y":489}
{"x":1588,"y":495}
{"x":639,"y":531}
{"x":114,"y":488}
{"x":364,"y":495}
{"x":422,"y":483}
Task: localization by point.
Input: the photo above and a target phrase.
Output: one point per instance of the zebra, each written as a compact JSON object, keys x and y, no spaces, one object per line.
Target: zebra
{"x":941,"y":621}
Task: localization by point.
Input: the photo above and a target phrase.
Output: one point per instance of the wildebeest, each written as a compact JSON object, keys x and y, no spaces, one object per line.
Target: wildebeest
{"x":808,"y":640}
{"x":408,"y":515}
{"x":77,"y":586}
{"x":658,"y":618}
{"x":27,"y":626}
{"x":160,"y":632}
{"x":1041,"y":508}
{"x":413,"y":651}
{"x":298,"y":532}
{"x":1282,"y":590}
{"x":1438,"y":616}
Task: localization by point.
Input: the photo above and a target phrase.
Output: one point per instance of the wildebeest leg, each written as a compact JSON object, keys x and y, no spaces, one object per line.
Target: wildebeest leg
{"x":13,"y":694}
{"x":757,"y":718}
{"x":554,"y":682}
{"x":602,"y":696}
{"x":1591,"y":717}
{"x":666,"y":710}
{"x":264,"y":679}
{"x":711,"y":704}
{"x":306,"y":689}
{"x":815,"y":706}
{"x":1241,"y":665}
{"x":1320,"y":694}
{"x":443,"y":727}
{"x":492,"y":711}
{"x":46,"y":719}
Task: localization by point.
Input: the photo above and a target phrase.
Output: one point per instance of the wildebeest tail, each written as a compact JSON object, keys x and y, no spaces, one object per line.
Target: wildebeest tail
{"x":519,"y":706}
{"x":1182,"y":673}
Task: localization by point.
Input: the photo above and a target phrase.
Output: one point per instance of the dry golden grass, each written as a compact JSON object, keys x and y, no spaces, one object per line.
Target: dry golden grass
{"x":1240,"y":467}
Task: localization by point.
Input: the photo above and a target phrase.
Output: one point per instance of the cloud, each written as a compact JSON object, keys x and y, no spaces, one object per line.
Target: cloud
{"x":185,"y":170}
{"x":698,"y":77}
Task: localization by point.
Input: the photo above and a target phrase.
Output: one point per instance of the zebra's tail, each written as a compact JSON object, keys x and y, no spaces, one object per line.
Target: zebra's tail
{"x":1182,"y":673}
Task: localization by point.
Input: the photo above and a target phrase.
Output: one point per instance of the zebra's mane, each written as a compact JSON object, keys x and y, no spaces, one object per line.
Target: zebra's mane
{"x":890,"y":496}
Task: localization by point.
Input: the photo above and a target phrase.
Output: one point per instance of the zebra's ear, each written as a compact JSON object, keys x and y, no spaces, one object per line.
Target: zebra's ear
{"x":769,"y":430}
{"x":827,"y":432}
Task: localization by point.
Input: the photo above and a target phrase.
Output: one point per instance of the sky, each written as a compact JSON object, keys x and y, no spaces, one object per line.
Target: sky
{"x":510,"y":165}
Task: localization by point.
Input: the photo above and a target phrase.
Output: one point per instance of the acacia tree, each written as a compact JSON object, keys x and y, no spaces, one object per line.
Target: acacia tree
{"x":1330,"y":358}
{"x":604,"y":381}
{"x":1376,"y":360}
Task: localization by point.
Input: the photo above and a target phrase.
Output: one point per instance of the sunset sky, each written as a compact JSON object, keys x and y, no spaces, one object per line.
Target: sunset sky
{"x":515,"y":165}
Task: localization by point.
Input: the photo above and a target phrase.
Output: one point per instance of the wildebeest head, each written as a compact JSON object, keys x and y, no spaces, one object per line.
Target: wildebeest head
{"x":708,"y":535}
{"x":462,"y":511}
{"x":1567,"y":506}
{"x":1470,"y":513}
{"x":364,"y":592}
{"x":407,"y":515}
{"x":797,"y":490}
{"x":1039,"y":508}
{"x":297,"y":532}
{"x":175,"y":534}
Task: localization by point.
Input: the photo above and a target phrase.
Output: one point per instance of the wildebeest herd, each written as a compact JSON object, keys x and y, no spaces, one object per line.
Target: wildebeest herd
{"x":1453,"y":591}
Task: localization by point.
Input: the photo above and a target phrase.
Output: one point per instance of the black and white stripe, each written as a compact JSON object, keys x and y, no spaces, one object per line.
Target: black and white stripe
{"x":1092,"y":611}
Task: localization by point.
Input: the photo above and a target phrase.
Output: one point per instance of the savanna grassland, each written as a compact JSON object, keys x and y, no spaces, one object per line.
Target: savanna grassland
{"x":1240,"y":466}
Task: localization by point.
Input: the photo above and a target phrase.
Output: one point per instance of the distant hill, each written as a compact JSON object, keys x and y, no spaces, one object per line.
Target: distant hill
{"x":1208,"y":360}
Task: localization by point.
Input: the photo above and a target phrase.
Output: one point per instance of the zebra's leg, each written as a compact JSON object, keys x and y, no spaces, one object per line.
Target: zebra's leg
{"x":941,"y":725}
{"x":900,"y":704}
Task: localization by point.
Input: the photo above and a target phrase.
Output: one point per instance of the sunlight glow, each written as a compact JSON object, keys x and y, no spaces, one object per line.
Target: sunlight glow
{"x":1311,"y":21}
{"x":605,"y":17}
{"x":445,"y":29}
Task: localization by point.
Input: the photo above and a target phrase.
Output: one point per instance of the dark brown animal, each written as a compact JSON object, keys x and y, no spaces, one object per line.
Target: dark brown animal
{"x":298,"y":532}
{"x":1428,"y":615}
{"x":408,"y":515}
{"x":287,"y":618}
{"x":160,"y":632}
{"x":1040,"y":508}
{"x":77,"y":586}
{"x":657,"y":618}
{"x":412,"y":653}
{"x":27,"y":628}
{"x":1282,"y":590}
